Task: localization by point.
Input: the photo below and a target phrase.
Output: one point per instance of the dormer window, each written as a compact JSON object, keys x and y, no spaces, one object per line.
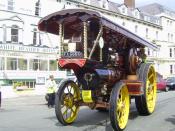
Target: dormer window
{"x":136,"y":14}
{"x":68,"y":3}
{"x":123,"y":10}
{"x":104,"y":4}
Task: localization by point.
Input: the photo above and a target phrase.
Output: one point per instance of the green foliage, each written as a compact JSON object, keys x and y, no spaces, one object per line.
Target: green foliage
{"x":17,"y":84}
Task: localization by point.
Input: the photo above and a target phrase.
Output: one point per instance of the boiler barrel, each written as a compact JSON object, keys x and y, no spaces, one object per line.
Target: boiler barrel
{"x":106,"y":74}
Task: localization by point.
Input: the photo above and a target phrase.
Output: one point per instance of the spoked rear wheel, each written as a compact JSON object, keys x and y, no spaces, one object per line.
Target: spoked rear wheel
{"x":66,"y":102}
{"x":146,"y":103}
{"x":119,"y":106}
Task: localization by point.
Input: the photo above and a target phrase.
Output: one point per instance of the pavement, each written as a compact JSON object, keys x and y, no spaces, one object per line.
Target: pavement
{"x":9,"y":92}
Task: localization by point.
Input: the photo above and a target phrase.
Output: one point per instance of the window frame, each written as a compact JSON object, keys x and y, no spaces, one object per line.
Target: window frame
{"x":15,"y":34}
{"x":10,"y":5}
{"x":37,"y":8}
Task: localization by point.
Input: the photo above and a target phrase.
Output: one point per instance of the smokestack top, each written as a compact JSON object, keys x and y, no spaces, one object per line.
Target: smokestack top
{"x":130,"y":3}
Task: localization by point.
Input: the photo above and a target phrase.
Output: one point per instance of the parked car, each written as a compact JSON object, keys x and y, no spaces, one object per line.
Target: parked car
{"x":161,"y":84}
{"x":171,"y":83}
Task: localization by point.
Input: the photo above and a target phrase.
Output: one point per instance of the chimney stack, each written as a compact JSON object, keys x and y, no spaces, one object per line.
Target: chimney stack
{"x":130,"y":3}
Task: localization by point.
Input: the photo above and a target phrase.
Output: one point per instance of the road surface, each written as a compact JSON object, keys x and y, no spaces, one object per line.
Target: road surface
{"x":31,"y":114}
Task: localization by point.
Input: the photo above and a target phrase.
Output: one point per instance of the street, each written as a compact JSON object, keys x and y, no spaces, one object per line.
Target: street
{"x":31,"y":114}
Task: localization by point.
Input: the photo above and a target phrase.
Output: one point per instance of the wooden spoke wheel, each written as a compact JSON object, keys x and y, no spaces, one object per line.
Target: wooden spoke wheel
{"x":119,"y":106}
{"x":66,"y":102}
{"x":145,"y":104}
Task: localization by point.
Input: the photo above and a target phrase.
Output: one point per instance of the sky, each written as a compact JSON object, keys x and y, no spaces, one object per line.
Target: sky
{"x":167,"y":3}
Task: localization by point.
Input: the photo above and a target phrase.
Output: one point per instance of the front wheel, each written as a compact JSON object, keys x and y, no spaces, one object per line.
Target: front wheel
{"x":66,"y":102}
{"x":119,"y":106}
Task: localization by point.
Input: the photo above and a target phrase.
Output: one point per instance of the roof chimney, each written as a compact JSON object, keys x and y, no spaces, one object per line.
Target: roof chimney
{"x":130,"y":3}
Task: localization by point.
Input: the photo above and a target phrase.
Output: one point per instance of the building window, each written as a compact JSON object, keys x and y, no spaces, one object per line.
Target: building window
{"x":52,"y":65}
{"x":171,"y":23}
{"x":10,"y":5}
{"x":136,"y":14}
{"x":68,"y":3}
{"x":171,"y":69}
{"x":22,"y":64}
{"x":34,"y":36}
{"x":43,"y":65}
{"x":34,"y":64}
{"x":104,"y":4}
{"x":170,"y":52}
{"x":172,"y":38}
{"x":37,"y":8}
{"x":168,"y":37}
{"x":168,"y":22}
{"x":14,"y":34}
{"x":4,"y":33}
{"x":2,"y":63}
{"x":11,"y":63}
{"x":146,"y":32}
{"x":123,"y":10}
{"x":136,"y":28}
{"x":123,"y":24}
{"x":157,"y":35}
{"x":148,"y":52}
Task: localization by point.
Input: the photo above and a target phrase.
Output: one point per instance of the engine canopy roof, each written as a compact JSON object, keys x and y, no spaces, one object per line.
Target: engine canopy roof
{"x":51,"y":23}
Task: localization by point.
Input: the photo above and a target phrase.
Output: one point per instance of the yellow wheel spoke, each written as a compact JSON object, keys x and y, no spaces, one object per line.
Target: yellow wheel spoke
{"x":72,"y":110}
{"x":150,"y":76}
{"x":65,"y":112}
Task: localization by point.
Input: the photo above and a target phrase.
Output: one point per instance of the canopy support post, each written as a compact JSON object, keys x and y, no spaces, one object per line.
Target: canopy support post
{"x":85,"y":39}
{"x":60,"y":39}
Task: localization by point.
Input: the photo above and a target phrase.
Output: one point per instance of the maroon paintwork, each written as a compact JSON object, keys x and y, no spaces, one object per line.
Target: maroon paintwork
{"x":161,"y":84}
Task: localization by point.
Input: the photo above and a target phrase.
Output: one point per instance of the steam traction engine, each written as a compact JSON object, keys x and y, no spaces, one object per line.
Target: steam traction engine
{"x":109,"y":63}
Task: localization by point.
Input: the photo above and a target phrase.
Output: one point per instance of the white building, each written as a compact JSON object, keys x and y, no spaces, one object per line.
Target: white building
{"x":27,"y":55}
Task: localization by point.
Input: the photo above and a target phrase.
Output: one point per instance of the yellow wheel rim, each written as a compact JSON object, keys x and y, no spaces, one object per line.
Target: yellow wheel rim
{"x":122,"y":110}
{"x":69,"y":102}
{"x":151,"y":89}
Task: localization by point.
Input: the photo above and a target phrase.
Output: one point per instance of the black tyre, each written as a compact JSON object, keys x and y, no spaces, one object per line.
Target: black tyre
{"x":66,"y":102}
{"x":145,"y":104}
{"x":119,"y":106}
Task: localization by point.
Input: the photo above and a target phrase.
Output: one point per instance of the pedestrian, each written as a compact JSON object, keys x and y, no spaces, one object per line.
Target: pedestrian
{"x":51,"y":89}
